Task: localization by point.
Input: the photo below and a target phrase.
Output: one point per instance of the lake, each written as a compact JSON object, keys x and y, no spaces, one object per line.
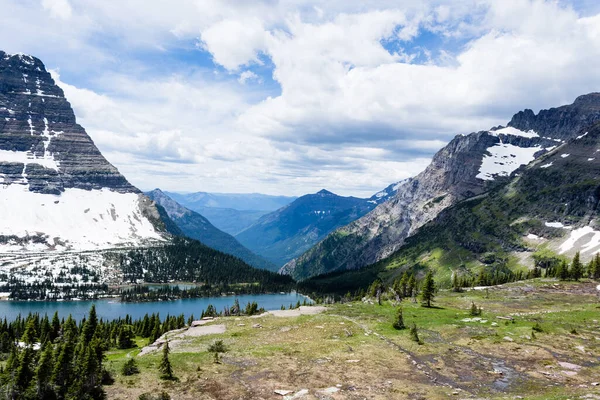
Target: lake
{"x":109,"y":309}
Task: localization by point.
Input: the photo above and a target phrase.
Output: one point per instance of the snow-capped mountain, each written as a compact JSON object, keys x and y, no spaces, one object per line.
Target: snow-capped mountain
{"x":468,"y":166}
{"x":57,"y":191}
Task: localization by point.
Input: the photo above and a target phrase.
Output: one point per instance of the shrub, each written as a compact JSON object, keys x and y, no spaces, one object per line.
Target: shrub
{"x":130,"y":368}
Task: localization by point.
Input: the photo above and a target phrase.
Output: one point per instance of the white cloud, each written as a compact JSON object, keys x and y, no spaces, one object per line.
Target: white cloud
{"x":353,"y":110}
{"x":247,"y":76}
{"x":58,"y":8}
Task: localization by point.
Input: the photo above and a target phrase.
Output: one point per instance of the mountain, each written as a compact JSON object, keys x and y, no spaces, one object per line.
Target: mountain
{"x":56,"y":189}
{"x":195,"y":226}
{"x":236,"y":201}
{"x":231,"y":212}
{"x":468,"y":166}
{"x":229,"y":220}
{"x":288,"y":232}
{"x":549,"y":210}
{"x":71,"y":223}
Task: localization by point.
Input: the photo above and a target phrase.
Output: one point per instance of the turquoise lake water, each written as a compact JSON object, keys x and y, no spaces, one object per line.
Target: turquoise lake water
{"x":112,"y":308}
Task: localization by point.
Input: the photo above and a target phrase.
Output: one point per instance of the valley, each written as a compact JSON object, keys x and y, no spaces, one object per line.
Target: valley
{"x":300,"y":200}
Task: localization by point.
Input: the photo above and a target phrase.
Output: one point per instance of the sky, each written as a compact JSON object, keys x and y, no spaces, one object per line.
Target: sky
{"x":292,"y":96}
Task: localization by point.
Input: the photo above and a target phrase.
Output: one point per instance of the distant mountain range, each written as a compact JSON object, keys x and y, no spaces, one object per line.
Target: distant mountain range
{"x":479,"y":164}
{"x":288,"y":232}
{"x":195,"y":226}
{"x":231,"y":212}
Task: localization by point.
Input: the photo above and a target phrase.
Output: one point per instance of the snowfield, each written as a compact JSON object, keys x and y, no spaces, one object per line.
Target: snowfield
{"x":587,"y":240}
{"x":75,"y":220}
{"x":509,"y":130}
{"x":503,"y":159}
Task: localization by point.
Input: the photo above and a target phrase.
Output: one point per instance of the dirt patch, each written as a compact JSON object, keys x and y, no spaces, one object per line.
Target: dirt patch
{"x":303,"y":310}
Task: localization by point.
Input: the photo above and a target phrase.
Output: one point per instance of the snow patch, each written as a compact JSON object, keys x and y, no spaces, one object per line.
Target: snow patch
{"x":26,"y":157}
{"x":534,"y":237}
{"x":509,"y":130}
{"x":591,"y":159}
{"x":503,"y":159}
{"x":581,"y":136}
{"x":587,"y":232}
{"x":556,"y":225}
{"x":114,"y":219}
{"x":546,"y":165}
{"x":565,"y":155}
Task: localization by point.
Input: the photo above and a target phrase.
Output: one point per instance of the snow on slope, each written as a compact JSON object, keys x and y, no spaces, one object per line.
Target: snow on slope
{"x":78,"y":219}
{"x":509,"y":130}
{"x":503,"y":159}
{"x":586,"y":239}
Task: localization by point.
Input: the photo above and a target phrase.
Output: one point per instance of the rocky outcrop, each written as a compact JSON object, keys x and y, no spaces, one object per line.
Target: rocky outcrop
{"x":468,"y":166}
{"x":560,"y":122}
{"x":41,"y":144}
{"x":56,"y":189}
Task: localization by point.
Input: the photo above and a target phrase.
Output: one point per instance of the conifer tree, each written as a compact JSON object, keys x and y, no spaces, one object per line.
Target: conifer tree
{"x":428,"y":290}
{"x":562,"y":271}
{"x":44,"y":372}
{"x":89,"y":328}
{"x":414,"y":334}
{"x":165,"y":368}
{"x":576,"y":271}
{"x":399,"y":323}
{"x":411,"y":286}
{"x":595,"y":270}
{"x":24,"y":373}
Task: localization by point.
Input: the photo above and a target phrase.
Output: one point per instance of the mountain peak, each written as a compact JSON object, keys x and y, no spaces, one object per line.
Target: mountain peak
{"x":55,"y":181}
{"x":325,"y":192}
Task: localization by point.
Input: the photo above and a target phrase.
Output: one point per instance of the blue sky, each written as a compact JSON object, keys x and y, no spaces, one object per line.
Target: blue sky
{"x":288,"y":97}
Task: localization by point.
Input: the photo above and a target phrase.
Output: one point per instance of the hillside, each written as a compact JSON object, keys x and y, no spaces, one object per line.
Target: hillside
{"x":195,"y":226}
{"x":548,"y":211}
{"x":468,"y":166}
{"x":293,"y":229}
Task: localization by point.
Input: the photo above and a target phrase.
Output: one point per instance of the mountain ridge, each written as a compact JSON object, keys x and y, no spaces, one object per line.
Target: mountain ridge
{"x":196,"y":226}
{"x":469,"y":165}
{"x":286,"y":232}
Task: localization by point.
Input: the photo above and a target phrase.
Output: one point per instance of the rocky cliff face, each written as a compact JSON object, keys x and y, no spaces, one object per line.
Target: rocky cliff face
{"x":41,"y":143}
{"x":56,"y":189}
{"x":468,"y":166}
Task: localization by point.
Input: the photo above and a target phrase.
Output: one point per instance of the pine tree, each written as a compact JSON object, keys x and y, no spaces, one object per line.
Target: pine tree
{"x":456,"y":287}
{"x":474,"y":311}
{"x":414,"y":334}
{"x":595,"y":270}
{"x":44,"y":372}
{"x":89,"y":328}
{"x":562,"y":271}
{"x":399,"y":323}
{"x":24,"y":374}
{"x":130,"y":367}
{"x":411,"y":286}
{"x":428,"y":290}
{"x":165,"y":368}
{"x":576,"y":268}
